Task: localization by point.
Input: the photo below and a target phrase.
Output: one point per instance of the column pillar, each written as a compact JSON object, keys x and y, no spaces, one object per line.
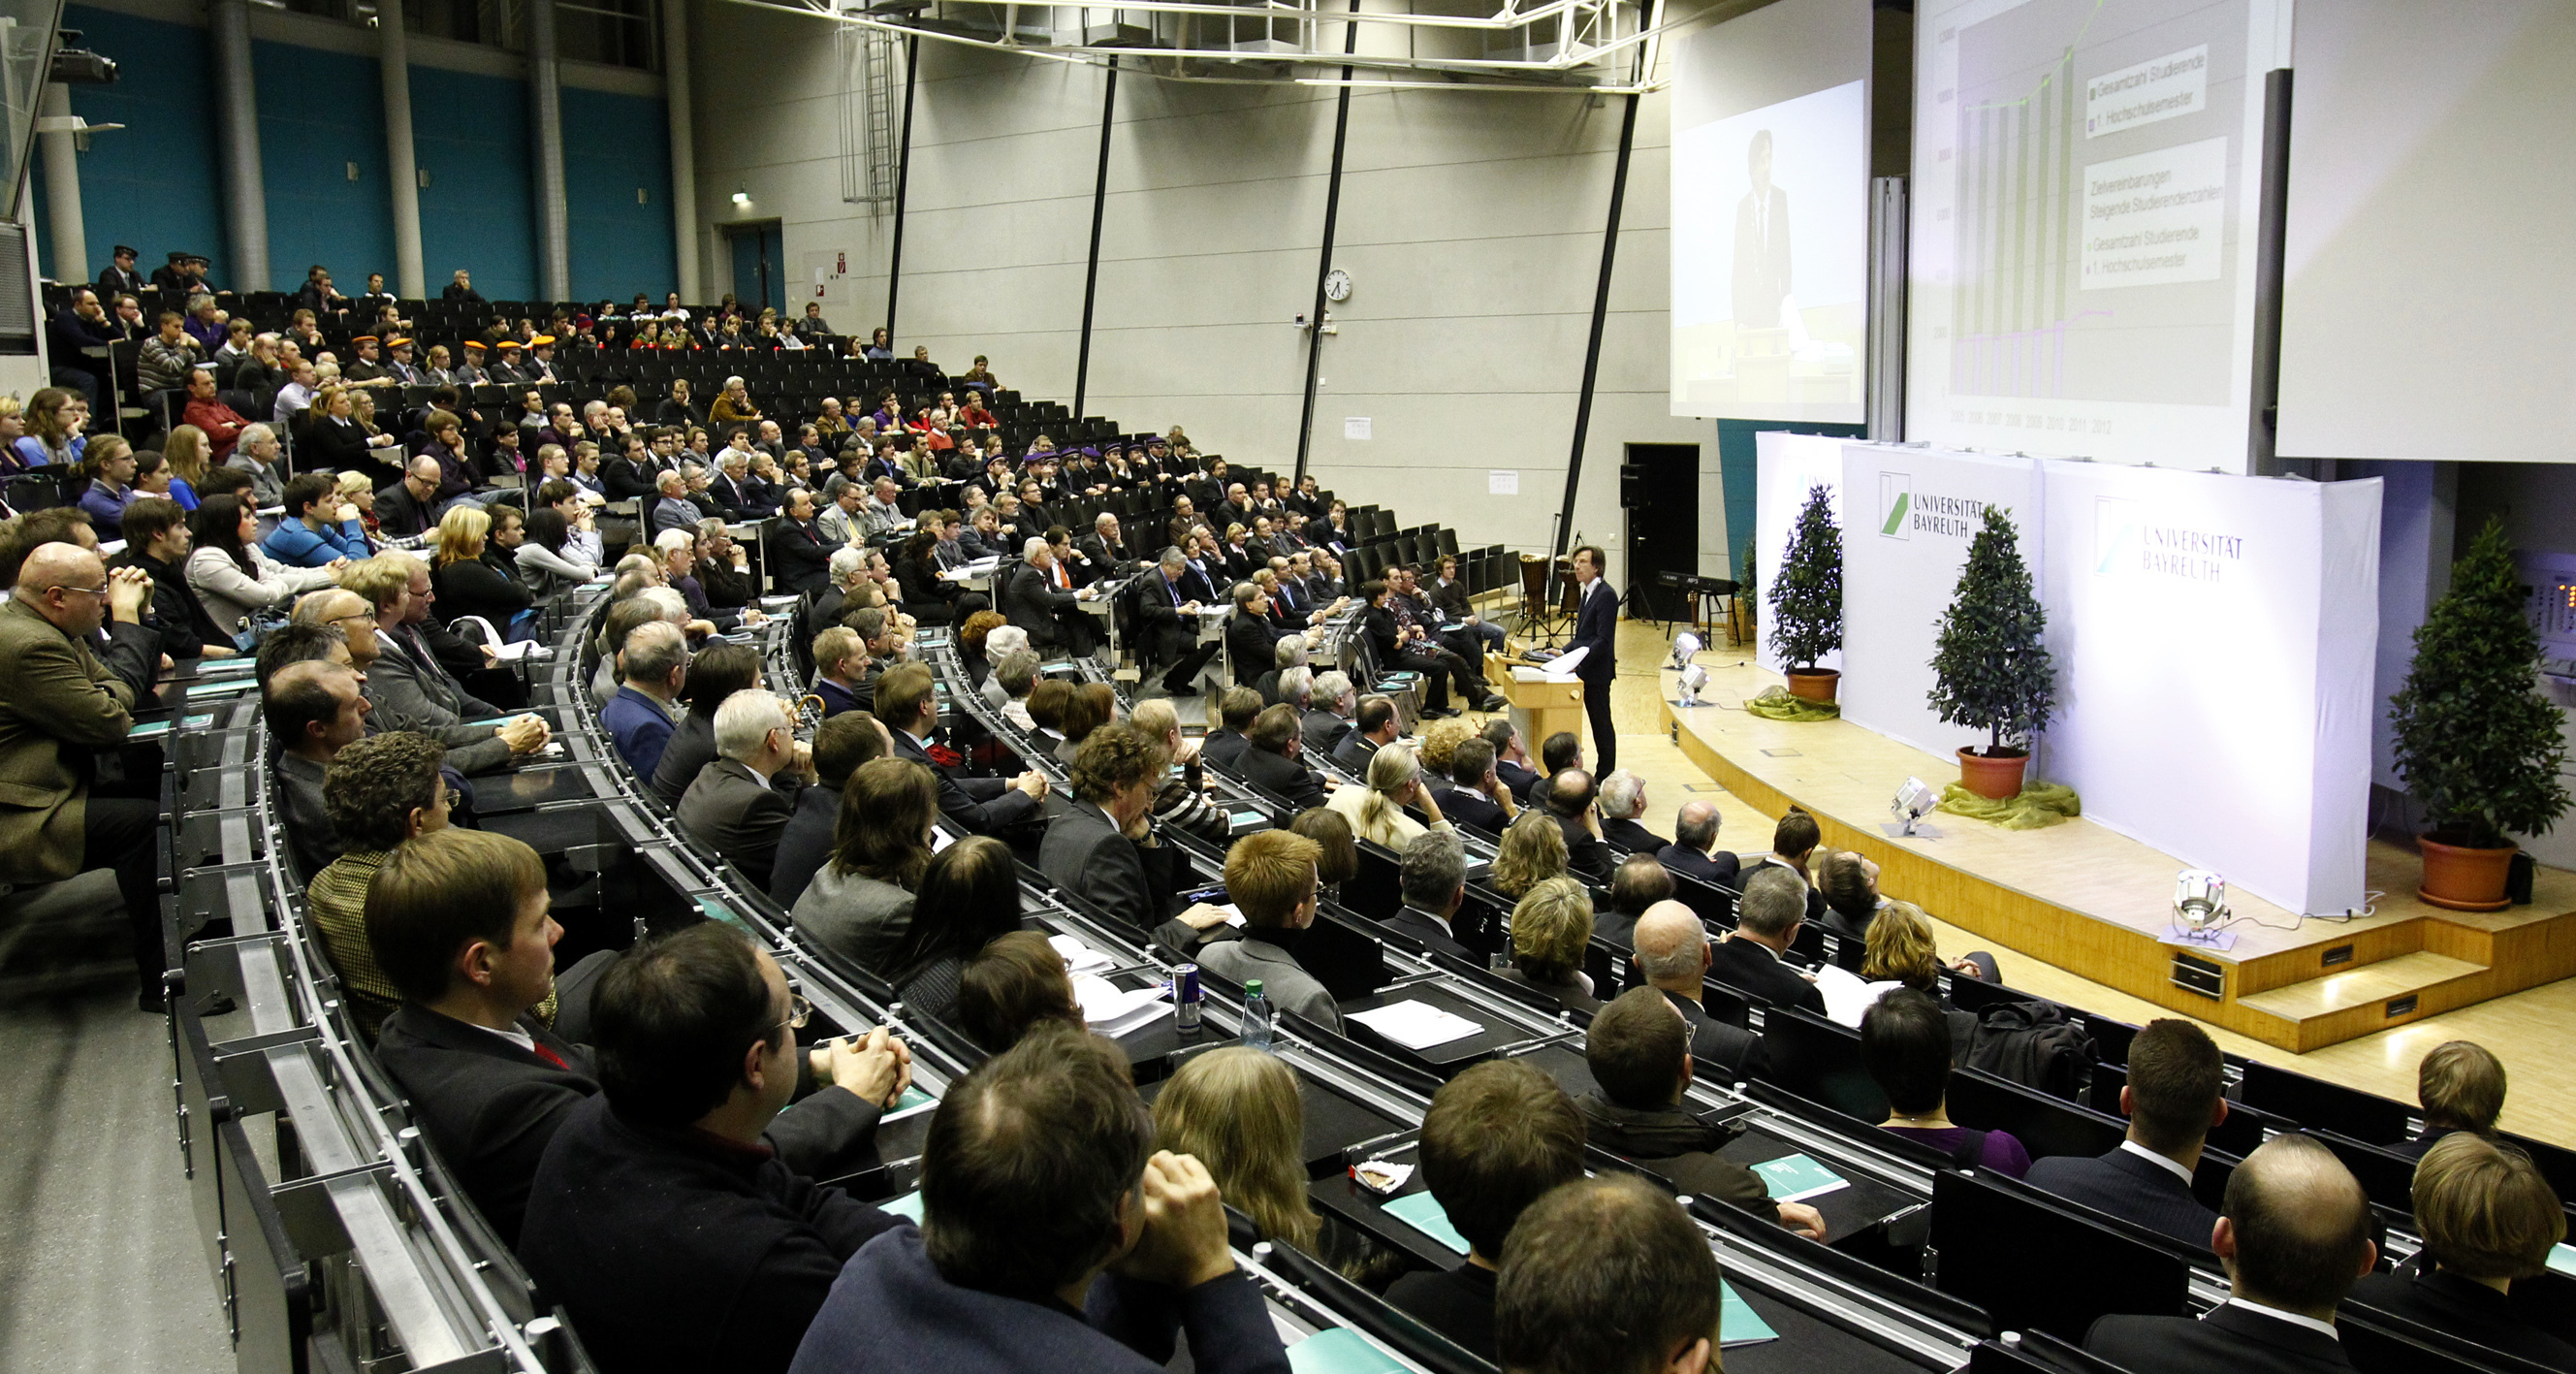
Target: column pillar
{"x":684,"y":150}
{"x":545,"y":106}
{"x":62,"y":189}
{"x":237,"y":144}
{"x":393,"y":45}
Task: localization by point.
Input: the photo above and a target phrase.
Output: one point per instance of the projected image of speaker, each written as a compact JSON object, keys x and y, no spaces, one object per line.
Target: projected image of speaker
{"x":1770,"y":168}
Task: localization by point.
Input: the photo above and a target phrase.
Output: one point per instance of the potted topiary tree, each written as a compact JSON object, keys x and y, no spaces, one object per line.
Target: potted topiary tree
{"x":1990,"y":670}
{"x":2475,"y":741}
{"x":1807,"y":598}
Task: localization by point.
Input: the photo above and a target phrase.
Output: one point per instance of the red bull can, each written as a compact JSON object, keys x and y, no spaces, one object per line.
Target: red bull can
{"x":1189,"y":997}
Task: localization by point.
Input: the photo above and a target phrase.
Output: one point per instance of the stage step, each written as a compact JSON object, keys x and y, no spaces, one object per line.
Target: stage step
{"x":2339,"y":1006}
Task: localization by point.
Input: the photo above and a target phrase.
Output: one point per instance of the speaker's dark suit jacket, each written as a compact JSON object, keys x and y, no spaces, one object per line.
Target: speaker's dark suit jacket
{"x":2124,"y":1185}
{"x":1754,"y":968}
{"x":2229,"y":1338}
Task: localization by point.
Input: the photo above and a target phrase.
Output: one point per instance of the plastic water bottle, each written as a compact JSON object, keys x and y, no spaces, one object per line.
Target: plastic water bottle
{"x":1258,"y":1015}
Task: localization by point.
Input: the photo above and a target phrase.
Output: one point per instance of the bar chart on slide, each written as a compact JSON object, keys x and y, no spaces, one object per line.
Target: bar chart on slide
{"x":2084,"y":213}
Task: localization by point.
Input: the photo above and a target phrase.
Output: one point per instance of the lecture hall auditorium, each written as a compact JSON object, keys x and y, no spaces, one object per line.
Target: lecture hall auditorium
{"x":1613,"y":688}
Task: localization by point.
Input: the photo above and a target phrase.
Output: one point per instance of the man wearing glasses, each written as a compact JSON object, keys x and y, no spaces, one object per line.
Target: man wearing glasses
{"x":63,"y":696}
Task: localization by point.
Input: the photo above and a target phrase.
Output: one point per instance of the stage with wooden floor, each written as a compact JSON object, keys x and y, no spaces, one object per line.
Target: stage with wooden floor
{"x":2095,"y":902}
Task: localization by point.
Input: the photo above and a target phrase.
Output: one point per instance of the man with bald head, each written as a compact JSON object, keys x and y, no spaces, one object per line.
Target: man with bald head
{"x":2294,"y":1235}
{"x":64,"y":696}
{"x":1694,"y":852}
{"x":409,"y":508}
{"x":1672,"y":955}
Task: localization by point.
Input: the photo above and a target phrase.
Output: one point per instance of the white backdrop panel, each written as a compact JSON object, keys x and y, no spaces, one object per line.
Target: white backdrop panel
{"x":1786,"y":465}
{"x":1914,"y":511}
{"x":2214,"y":638}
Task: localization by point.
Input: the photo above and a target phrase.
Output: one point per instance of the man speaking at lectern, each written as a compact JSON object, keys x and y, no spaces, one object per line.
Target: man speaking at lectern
{"x":1596,"y":628}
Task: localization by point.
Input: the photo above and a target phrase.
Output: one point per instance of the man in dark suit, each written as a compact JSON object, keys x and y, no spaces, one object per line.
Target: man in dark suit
{"x":2294,"y":1234}
{"x":1104,"y":546}
{"x":1694,"y":852}
{"x":797,"y":553}
{"x":1768,"y":921}
{"x":1378,"y":726}
{"x":1673,"y":955}
{"x":1251,"y":636}
{"x":1623,"y":800}
{"x":1327,"y":715}
{"x":1761,"y":274}
{"x":841,"y":744}
{"x":1793,"y":842}
{"x":657,"y":1218}
{"x":1477,"y":796}
{"x":1636,"y":885}
{"x":1167,"y":616}
{"x":1039,"y":597}
{"x":1511,"y":758}
{"x":408,"y":508}
{"x":1434,"y":882}
{"x":458,"y":924}
{"x":1092,"y":838}
{"x":1273,"y":758}
{"x":1236,"y":710}
{"x":1569,"y":800}
{"x":2173,"y":1096}
{"x":734,"y":807}
{"x":1596,"y":628}
{"x":978,"y":806}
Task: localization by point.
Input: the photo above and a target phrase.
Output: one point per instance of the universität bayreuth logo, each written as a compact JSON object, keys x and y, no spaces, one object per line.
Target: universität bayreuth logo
{"x":1895,"y":504}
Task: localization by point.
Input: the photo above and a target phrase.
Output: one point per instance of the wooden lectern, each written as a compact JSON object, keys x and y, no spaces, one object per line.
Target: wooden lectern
{"x":1539,"y":709}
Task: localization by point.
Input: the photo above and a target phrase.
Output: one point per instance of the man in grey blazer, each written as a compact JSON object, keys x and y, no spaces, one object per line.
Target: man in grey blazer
{"x":739,"y":804}
{"x":404,"y":694}
{"x":1270,"y":878}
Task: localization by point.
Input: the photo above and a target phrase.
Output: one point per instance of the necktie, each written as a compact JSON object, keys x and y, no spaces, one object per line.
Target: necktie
{"x":549,"y":1055}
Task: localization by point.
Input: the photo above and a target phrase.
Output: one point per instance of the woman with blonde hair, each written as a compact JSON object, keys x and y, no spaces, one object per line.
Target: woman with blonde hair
{"x":470,"y":582}
{"x":1533,"y":850}
{"x":1901,"y":950}
{"x":190,"y":455}
{"x":1376,"y":812}
{"x":1551,"y":928}
{"x":357,"y":491}
{"x":1237,"y":1111}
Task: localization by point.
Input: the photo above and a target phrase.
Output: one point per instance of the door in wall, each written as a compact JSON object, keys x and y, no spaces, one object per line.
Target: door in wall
{"x":1660,"y":487}
{"x":759,"y":254}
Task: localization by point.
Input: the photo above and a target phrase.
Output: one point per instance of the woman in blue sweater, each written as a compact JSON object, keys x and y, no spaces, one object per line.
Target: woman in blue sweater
{"x":317,"y":527}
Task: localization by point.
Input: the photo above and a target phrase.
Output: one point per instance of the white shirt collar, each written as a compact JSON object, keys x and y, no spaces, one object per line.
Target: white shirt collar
{"x":2170,"y":1166}
{"x":514,"y":1035}
{"x":2325,"y":1329}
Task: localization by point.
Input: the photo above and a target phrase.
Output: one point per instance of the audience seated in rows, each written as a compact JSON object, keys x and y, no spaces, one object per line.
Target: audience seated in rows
{"x":969,"y":895}
{"x":1375,"y":725}
{"x":1180,"y":799}
{"x":1497,"y":1138}
{"x":1100,"y":843}
{"x":1237,"y":1111}
{"x":1794,"y":840}
{"x":652,"y":666}
{"x":1623,"y":802}
{"x":1016,"y":982}
{"x":976,"y":806}
{"x":840,"y":745}
{"x":2293,"y":1234}
{"x":1901,"y":950}
{"x":1273,"y":759}
{"x":1905,"y":1043}
{"x":1476,"y":796}
{"x":663,"y":1215}
{"x":2461,"y":1087}
{"x":2172,"y":1098}
{"x":1055,"y":1236}
{"x":1337,"y":850}
{"x":1569,"y":803}
{"x":379,"y":791}
{"x":1638,"y":1048}
{"x":1325,"y":721}
{"x":1235,"y":711}
{"x":313,"y":710}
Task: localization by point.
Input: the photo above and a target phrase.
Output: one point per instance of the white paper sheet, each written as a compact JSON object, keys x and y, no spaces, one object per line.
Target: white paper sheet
{"x":1080,"y":959}
{"x":1415,"y":1025}
{"x":1113,"y":1011}
{"x":1847,"y":998}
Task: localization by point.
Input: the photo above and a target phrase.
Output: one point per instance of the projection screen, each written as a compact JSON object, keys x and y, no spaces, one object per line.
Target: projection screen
{"x":1770,"y":166}
{"x":2086,"y":186}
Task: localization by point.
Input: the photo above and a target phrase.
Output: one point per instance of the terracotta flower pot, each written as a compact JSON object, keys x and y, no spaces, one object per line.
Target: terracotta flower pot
{"x":1815,"y":685}
{"x":1995,"y":776}
{"x":2464,"y":879}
